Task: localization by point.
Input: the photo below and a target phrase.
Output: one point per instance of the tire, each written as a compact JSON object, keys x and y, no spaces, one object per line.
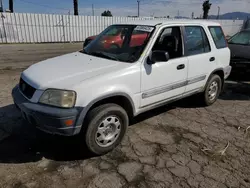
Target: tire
{"x":103,"y":122}
{"x":212,"y":90}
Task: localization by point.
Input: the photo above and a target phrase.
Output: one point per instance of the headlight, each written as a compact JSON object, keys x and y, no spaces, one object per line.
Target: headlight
{"x":59,"y":98}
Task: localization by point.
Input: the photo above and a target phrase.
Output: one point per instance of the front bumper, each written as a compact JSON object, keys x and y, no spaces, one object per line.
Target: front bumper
{"x":46,"y":118}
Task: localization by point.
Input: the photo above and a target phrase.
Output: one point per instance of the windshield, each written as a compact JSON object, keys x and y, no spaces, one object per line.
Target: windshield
{"x":242,"y":38}
{"x":120,"y":42}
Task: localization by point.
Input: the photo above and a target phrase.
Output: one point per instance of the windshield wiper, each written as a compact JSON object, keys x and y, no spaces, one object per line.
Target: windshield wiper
{"x":105,"y":55}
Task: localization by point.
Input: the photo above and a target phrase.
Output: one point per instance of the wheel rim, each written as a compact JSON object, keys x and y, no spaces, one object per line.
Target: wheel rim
{"x":108,"y":131}
{"x":213,"y":90}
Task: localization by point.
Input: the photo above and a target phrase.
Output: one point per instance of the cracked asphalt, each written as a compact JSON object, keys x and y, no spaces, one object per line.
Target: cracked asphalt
{"x":180,"y":145}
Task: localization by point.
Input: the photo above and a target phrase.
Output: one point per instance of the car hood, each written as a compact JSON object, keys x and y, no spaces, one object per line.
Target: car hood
{"x":240,"y":51}
{"x":65,"y":71}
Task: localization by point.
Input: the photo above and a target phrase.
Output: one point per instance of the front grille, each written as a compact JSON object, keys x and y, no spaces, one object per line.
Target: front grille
{"x":26,"y":89}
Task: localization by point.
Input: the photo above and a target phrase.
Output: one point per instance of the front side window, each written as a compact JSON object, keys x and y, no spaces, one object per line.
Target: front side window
{"x":218,"y":37}
{"x":196,"y":41}
{"x":170,"y":41}
{"x":241,"y":38}
{"x":120,"y":42}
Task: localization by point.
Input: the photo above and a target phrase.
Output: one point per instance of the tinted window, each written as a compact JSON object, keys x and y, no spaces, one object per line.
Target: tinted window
{"x":218,"y":37}
{"x":242,"y":38}
{"x":170,"y":41}
{"x":196,"y":40}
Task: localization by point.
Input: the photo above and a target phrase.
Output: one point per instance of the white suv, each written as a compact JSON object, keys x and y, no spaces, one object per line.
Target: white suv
{"x":97,"y":91}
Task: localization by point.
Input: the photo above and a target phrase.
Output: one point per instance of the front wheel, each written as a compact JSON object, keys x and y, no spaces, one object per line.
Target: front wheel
{"x":107,"y":125}
{"x":212,"y":90}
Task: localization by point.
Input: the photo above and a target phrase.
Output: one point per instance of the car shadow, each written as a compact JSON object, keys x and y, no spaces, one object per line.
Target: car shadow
{"x":20,"y":142}
{"x":151,"y":113}
{"x":236,"y":91}
{"x":237,"y":87}
{"x":239,"y":76}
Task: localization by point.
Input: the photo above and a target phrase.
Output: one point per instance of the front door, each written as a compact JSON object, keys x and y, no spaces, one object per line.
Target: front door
{"x":164,"y":81}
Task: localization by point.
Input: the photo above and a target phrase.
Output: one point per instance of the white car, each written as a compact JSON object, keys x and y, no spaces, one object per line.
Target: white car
{"x":97,"y":91}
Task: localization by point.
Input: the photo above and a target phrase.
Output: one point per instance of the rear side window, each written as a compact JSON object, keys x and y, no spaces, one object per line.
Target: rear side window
{"x":196,"y":40}
{"x":218,"y":36}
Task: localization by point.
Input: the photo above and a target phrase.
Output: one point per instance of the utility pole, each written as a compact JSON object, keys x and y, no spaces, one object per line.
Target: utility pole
{"x":1,"y":6}
{"x":218,"y":15}
{"x":93,"y":11}
{"x":11,"y":6}
{"x":138,"y":1}
{"x":75,"y":7}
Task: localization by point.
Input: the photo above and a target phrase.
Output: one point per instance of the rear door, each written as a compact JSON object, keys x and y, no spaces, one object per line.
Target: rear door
{"x":201,"y":56}
{"x":222,"y":52}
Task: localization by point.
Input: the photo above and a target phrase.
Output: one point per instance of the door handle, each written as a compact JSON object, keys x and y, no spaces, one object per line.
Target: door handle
{"x":181,"y":66}
{"x":212,"y":59}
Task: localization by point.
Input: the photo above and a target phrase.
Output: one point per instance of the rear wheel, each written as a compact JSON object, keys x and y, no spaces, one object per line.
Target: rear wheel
{"x":212,"y":90}
{"x":107,"y":125}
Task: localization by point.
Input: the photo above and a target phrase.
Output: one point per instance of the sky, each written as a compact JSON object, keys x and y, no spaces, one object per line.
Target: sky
{"x":129,"y":7}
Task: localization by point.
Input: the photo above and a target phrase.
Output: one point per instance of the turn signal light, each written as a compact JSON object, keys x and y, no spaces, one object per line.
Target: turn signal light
{"x":69,"y":122}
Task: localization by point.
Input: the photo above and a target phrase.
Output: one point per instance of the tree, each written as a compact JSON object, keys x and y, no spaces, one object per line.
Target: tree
{"x":107,"y":13}
{"x":206,"y":7}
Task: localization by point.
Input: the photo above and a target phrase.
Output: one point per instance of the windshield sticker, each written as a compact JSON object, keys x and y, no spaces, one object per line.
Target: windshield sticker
{"x":144,"y":28}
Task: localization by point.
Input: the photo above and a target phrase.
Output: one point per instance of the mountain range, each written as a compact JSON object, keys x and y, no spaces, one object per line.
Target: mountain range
{"x":232,"y":16}
{"x":227,"y":16}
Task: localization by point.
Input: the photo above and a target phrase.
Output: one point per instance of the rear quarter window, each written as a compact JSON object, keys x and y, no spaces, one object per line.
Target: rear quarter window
{"x":218,"y":36}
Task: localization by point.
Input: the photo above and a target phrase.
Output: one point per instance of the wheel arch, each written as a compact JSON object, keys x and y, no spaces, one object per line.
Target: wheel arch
{"x":220,"y":73}
{"x":122,"y":99}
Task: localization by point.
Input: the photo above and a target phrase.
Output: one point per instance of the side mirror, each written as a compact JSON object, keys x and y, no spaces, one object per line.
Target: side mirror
{"x":158,"y":56}
{"x":86,"y":42}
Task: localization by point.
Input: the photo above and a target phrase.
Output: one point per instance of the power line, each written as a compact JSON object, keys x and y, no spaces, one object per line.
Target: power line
{"x":93,"y":10}
{"x":11,"y":6}
{"x":75,"y":2}
{"x":218,"y":15}
{"x":138,"y":8}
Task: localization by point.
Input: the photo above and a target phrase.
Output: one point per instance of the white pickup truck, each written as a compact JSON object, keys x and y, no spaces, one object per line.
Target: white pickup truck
{"x":97,"y":90}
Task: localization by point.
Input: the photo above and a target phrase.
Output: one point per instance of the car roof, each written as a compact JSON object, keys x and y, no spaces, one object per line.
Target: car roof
{"x":172,"y":21}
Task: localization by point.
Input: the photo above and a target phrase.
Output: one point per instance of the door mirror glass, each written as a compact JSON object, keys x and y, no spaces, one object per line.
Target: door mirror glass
{"x":158,"y":56}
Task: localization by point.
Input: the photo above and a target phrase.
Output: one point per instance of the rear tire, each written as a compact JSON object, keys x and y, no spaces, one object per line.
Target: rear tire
{"x":212,"y":90}
{"x":107,"y":125}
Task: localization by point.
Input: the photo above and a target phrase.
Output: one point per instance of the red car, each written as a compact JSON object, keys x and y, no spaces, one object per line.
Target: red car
{"x":115,"y":38}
